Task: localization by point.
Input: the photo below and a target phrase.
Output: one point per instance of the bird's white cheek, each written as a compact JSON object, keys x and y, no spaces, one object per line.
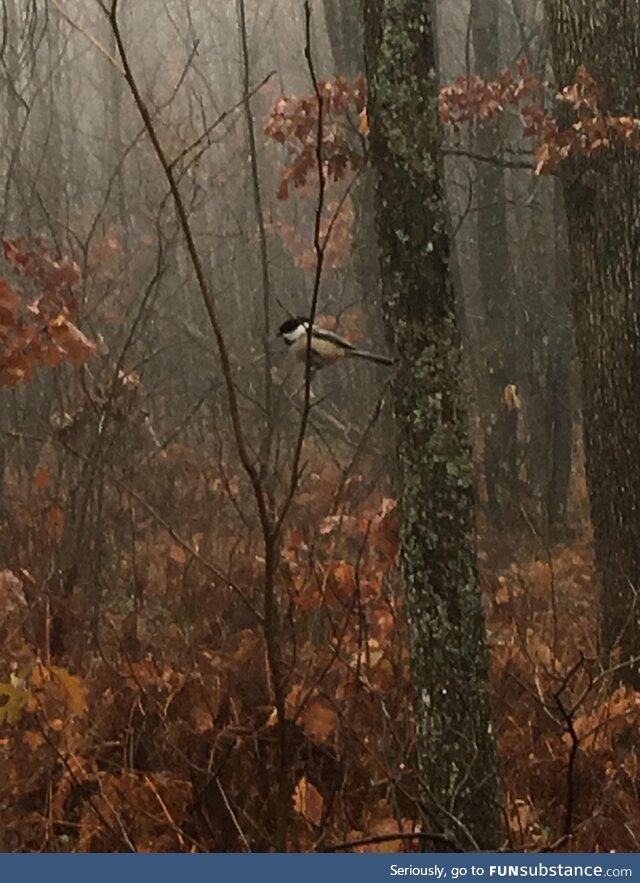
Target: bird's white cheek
{"x":295,"y":336}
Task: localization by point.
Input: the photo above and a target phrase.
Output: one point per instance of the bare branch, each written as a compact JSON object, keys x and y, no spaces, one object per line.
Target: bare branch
{"x":498,"y":160}
{"x":207,"y":296}
{"x":220,"y":119}
{"x":101,"y":49}
{"x":441,"y":839}
{"x":319,"y":247}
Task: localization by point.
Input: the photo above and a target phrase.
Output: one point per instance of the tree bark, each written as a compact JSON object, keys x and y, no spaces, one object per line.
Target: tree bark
{"x":443,"y":600}
{"x":603,"y":208}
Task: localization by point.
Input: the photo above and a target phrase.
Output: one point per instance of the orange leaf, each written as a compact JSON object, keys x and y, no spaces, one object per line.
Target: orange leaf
{"x":319,"y":721}
{"x":383,"y":829}
{"x":71,"y":340}
{"x":72,"y":690}
{"x":343,"y":579}
{"x":178,"y":555}
{"x":308,"y":801}
{"x":33,"y":739}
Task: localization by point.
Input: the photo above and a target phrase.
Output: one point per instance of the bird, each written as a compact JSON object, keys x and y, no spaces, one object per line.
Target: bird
{"x":327,"y":347}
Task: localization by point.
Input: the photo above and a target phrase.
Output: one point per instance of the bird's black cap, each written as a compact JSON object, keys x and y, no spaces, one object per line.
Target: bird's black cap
{"x":290,"y":325}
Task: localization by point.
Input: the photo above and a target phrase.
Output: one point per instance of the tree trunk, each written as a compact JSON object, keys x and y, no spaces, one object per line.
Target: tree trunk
{"x":443,"y":601}
{"x":559,"y":394}
{"x":496,"y":278}
{"x":547,"y":351}
{"x":603,"y":208}
{"x":344,"y":28}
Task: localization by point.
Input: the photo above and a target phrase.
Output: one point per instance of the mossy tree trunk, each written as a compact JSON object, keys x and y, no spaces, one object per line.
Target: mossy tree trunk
{"x":443,"y":599}
{"x":602,"y":199}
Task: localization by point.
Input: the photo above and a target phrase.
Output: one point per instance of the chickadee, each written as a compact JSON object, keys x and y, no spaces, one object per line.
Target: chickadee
{"x":326,"y":347}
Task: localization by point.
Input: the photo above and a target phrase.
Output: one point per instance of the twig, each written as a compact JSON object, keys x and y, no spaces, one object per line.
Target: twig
{"x":389,"y":838}
{"x":134,"y":495}
{"x":45,"y":733}
{"x":194,"y":255}
{"x":234,"y":818}
{"x":89,"y":37}
{"x":567,"y":715}
{"x":319,"y":247}
{"x":262,"y":241}
{"x":552,"y":577}
{"x":497,"y":160}
{"x":165,"y":811}
{"x":220,"y":119}
{"x":349,"y":468}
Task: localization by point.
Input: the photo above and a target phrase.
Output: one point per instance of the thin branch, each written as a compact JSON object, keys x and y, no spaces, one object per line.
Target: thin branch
{"x":187,"y":547}
{"x":389,"y":838}
{"x":101,"y":49}
{"x":207,"y":296}
{"x":319,"y":247}
{"x":498,"y":160}
{"x":45,"y":732}
{"x":165,"y":810}
{"x":567,"y":714}
{"x":220,"y":119}
{"x":234,"y":818}
{"x":552,"y":578}
{"x":262,"y":236}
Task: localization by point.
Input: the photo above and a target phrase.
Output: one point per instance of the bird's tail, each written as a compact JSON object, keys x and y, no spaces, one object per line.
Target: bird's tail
{"x":370,"y":357}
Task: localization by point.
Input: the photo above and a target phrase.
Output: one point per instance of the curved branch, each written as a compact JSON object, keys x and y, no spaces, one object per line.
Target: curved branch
{"x":207,"y":296}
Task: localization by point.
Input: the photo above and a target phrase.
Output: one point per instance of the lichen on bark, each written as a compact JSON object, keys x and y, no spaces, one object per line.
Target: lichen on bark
{"x":443,"y":598}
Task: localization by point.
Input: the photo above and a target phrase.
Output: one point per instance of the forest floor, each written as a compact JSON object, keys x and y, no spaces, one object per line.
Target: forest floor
{"x":136,"y":709}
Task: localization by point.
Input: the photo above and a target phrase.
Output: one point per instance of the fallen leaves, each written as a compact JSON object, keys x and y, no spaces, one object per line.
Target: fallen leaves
{"x":320,"y":721}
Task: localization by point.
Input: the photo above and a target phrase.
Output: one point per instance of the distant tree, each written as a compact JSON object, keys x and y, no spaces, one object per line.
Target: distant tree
{"x":545,"y":344}
{"x":499,"y":364}
{"x":602,"y":197}
{"x":443,"y":600}
{"x":344,"y":28}
{"x":345,"y":31}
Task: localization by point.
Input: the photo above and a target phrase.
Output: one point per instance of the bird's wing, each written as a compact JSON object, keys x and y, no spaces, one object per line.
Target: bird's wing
{"x":331,"y":337}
